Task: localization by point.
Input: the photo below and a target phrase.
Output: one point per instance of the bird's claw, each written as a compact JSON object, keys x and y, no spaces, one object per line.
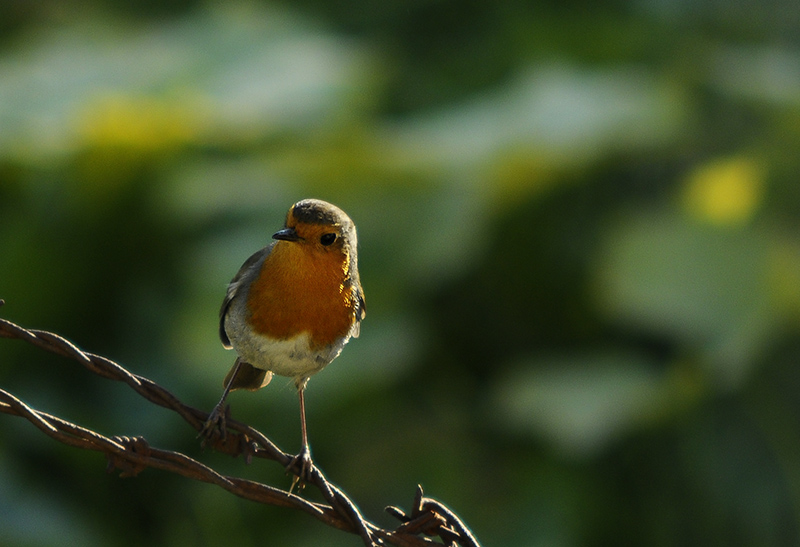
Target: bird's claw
{"x":215,"y":428}
{"x":302,"y":467}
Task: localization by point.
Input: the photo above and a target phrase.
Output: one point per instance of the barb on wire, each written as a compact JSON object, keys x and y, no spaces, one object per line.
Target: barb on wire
{"x":427,"y":517}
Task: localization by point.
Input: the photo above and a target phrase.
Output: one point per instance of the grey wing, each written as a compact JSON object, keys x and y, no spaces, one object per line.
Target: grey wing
{"x":361,"y":311}
{"x":233,"y":288}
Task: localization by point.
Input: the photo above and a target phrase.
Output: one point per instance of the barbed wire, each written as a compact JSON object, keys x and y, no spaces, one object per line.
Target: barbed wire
{"x":131,"y":455}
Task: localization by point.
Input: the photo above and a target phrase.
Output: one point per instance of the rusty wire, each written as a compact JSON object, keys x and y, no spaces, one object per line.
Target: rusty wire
{"x":427,"y":517}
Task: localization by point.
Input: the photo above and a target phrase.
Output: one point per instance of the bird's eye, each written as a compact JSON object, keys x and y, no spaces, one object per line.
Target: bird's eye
{"x":327,"y":239}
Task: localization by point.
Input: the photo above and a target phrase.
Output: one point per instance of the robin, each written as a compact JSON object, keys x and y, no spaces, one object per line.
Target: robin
{"x":292,"y":307}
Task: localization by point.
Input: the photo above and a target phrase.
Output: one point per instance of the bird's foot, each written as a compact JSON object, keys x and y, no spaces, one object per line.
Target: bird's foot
{"x":302,"y":466}
{"x":215,"y":429}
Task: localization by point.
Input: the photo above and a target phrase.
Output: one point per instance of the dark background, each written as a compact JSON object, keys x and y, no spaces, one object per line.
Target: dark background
{"x":578,"y":242}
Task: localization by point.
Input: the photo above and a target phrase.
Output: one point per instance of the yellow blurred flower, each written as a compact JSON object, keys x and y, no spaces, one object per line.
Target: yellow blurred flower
{"x":139,"y":123}
{"x":120,"y":134}
{"x":725,"y":191}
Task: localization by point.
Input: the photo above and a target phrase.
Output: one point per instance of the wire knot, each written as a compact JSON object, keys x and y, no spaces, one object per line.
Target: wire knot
{"x":128,"y":466}
{"x":432,"y":518}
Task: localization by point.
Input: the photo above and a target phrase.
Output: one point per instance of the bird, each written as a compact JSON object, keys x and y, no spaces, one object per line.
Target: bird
{"x":291,"y":309}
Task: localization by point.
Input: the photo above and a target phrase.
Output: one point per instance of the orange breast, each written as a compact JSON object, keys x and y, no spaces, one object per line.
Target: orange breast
{"x":302,"y":290}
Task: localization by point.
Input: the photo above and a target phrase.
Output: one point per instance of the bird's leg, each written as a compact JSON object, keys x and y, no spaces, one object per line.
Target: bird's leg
{"x":302,"y":462}
{"x":216,"y":420}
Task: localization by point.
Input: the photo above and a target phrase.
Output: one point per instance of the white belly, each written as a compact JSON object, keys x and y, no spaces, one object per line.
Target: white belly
{"x":292,"y":358}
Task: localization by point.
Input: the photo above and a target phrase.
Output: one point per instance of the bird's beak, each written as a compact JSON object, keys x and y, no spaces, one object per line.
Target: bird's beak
{"x":287,"y":234}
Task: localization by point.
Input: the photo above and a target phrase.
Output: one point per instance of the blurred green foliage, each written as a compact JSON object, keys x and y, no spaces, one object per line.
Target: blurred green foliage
{"x":578,"y":242}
